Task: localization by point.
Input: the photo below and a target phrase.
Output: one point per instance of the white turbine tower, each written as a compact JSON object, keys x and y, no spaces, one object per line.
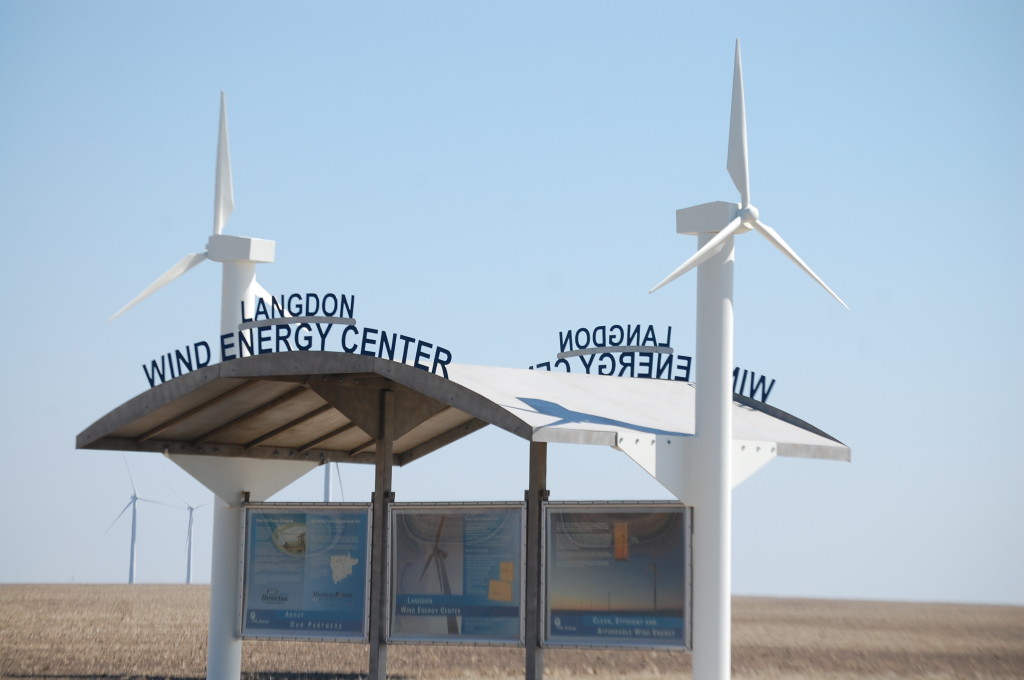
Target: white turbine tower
{"x":327,"y":482}
{"x":133,"y":503}
{"x":715,"y":224}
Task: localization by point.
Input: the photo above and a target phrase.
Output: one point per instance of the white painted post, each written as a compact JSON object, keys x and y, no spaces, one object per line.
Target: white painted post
{"x":224,"y":657}
{"x":327,"y":482}
{"x":712,"y":513}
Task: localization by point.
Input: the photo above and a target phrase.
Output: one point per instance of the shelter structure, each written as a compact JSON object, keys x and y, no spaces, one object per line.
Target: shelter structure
{"x":292,"y":411}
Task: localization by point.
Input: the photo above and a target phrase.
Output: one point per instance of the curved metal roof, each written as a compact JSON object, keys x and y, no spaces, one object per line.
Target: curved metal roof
{"x":324,"y":406}
{"x":312,"y":406}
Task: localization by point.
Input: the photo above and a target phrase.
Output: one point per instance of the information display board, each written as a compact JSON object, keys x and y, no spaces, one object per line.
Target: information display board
{"x":306,"y":572}
{"x":456,"y":573}
{"x":617,"y":575}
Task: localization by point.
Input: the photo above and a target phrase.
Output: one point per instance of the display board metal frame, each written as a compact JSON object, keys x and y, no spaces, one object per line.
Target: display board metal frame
{"x":498,"y":558}
{"x":624,"y":627}
{"x":289,"y":542}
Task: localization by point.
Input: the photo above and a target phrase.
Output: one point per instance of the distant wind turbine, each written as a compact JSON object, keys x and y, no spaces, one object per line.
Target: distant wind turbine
{"x":188,"y":541}
{"x":715,"y":224}
{"x":133,"y":504}
{"x":189,"y":532}
{"x":327,"y":482}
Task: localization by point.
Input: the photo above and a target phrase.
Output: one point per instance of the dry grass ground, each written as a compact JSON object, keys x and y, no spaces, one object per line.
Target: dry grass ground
{"x":101,"y":632}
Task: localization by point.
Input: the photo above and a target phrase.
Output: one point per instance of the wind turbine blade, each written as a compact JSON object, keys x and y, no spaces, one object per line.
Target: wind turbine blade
{"x":778,"y":242}
{"x":131,"y":479}
{"x":440,"y":528}
{"x":224,"y":193}
{"x":709,"y":249}
{"x":183,"y":265}
{"x":736,"y":163}
{"x":341,"y":488}
{"x":177,"y":495}
{"x":155,"y":502}
{"x":263,"y":294}
{"x":427,"y":564}
{"x":119,"y":516}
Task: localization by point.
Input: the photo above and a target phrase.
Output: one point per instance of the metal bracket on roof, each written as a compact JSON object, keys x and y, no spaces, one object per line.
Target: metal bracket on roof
{"x":668,"y":458}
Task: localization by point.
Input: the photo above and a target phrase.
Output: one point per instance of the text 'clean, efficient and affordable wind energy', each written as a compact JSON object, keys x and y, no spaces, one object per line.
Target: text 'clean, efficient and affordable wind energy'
{"x":715,"y":224}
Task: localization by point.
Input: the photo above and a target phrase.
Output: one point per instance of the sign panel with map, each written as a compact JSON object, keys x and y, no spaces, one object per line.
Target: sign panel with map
{"x":617,"y":575}
{"x":456,"y":574}
{"x":306,"y":572}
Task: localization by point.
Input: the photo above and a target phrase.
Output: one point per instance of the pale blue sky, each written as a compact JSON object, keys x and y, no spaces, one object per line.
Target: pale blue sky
{"x":485,"y":175}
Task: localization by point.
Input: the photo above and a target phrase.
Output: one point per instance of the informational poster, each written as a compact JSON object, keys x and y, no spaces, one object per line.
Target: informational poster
{"x":456,"y":574}
{"x":617,"y":575}
{"x":306,"y":572}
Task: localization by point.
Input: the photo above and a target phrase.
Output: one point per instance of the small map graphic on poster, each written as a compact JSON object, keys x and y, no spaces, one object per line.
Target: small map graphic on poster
{"x":342,"y":566}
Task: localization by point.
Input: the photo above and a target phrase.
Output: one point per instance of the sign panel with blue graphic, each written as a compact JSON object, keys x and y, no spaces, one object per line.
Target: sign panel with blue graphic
{"x":617,"y":576}
{"x":306,"y":572}
{"x":456,"y":574}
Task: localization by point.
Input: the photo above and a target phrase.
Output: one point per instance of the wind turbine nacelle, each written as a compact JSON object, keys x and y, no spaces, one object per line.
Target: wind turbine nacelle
{"x":706,"y":217}
{"x":225,"y":248}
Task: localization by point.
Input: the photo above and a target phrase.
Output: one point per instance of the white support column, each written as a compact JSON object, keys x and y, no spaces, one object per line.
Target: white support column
{"x":224,"y":658}
{"x":228,"y":478}
{"x":712,"y":513}
{"x":224,"y":651}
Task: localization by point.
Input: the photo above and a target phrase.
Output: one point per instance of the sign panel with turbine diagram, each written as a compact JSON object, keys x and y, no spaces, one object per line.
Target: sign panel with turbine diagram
{"x":456,"y":573}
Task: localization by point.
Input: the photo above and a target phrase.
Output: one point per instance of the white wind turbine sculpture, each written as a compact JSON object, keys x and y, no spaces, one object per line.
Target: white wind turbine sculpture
{"x":133,"y":504}
{"x":715,"y":224}
{"x":227,"y":478}
{"x":238,"y":254}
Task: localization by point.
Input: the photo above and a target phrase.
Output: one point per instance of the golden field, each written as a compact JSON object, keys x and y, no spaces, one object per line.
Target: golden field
{"x":52,"y":632}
